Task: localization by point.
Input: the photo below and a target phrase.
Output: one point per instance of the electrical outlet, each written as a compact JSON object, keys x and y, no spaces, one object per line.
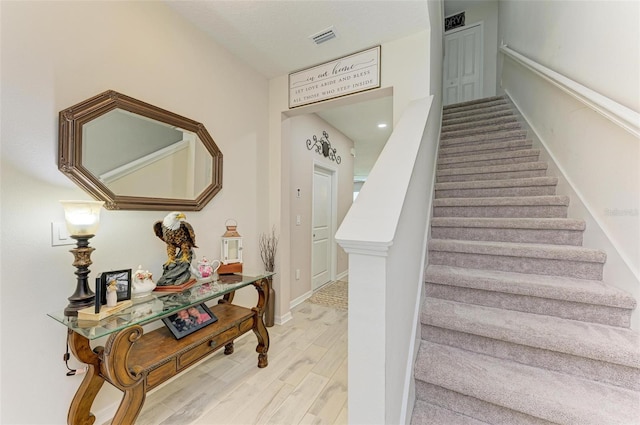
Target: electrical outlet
{"x":297,"y":274}
{"x":60,"y":235}
{"x":298,"y":221}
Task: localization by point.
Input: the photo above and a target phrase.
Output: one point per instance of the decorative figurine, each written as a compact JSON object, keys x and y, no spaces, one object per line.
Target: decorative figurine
{"x":177,"y":234}
{"x":112,"y":294}
{"x":206,"y":268}
{"x":143,"y":283}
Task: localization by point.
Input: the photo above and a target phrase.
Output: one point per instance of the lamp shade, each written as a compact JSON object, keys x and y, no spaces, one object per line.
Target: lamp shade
{"x":82,"y":217}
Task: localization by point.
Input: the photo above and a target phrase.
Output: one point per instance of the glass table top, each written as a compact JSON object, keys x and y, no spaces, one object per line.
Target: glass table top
{"x":157,"y":305}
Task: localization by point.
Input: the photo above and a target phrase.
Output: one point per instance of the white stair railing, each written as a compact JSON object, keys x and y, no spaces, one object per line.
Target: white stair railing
{"x":619,"y":114}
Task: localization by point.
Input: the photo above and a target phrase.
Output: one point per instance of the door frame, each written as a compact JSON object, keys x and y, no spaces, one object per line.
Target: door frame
{"x":332,"y":171}
{"x":481,"y":44}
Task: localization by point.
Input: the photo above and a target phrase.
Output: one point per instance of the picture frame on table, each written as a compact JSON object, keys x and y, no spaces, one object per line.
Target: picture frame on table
{"x":123,"y":285}
{"x":189,"y":320}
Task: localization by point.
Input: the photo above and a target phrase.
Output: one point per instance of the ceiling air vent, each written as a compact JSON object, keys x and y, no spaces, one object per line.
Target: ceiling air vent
{"x":324,"y":35}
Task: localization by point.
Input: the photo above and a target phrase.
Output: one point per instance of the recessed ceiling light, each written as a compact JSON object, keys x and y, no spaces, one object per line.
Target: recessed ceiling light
{"x":382,"y":125}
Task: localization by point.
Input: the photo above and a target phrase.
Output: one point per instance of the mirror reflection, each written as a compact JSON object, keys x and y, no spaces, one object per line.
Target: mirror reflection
{"x":133,"y":155}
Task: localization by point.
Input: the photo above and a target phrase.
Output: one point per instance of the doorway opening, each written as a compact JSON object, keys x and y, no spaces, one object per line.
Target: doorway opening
{"x":324,"y":219}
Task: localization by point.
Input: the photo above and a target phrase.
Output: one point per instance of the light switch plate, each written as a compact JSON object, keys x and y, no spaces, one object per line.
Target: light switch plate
{"x":60,"y":235}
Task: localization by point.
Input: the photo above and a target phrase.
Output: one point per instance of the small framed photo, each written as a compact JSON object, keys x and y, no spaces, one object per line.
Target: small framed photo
{"x":189,"y":320}
{"x":123,"y":285}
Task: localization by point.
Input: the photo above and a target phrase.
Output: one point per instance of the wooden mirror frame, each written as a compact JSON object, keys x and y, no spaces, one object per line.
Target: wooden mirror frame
{"x":70,"y":152}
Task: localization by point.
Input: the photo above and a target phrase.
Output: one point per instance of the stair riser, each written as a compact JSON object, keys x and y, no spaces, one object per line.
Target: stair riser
{"x":476,"y":119}
{"x":490,"y":176}
{"x":593,"y":313}
{"x":471,"y":406}
{"x":474,"y":109}
{"x":549,"y":236}
{"x":546,"y":211}
{"x":493,"y":192}
{"x":469,"y":114}
{"x":486,"y":162}
{"x":613,"y":374}
{"x":425,"y":413}
{"x":484,"y":122}
{"x":484,"y":138}
{"x":480,"y":129}
{"x":485,"y":148}
{"x":473,"y":104}
{"x":576,"y":269}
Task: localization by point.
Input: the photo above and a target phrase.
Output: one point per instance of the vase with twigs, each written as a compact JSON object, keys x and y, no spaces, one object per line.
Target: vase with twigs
{"x":268,"y":244}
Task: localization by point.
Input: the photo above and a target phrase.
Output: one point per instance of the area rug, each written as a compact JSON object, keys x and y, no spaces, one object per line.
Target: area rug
{"x":332,"y":295}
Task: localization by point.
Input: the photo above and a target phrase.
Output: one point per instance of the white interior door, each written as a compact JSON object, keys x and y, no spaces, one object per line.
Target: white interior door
{"x":462,"y":73}
{"x":322,"y":227}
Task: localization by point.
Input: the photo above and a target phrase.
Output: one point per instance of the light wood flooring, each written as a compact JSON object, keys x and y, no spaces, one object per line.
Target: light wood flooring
{"x":305,"y":382}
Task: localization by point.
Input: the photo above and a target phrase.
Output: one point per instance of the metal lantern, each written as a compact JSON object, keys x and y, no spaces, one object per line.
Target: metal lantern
{"x":231,"y":249}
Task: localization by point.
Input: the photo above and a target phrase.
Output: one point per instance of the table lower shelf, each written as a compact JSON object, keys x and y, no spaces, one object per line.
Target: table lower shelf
{"x":161,"y":356}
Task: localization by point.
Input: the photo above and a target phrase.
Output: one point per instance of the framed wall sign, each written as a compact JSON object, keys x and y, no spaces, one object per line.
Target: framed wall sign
{"x":340,"y":77}
{"x":454,"y":21}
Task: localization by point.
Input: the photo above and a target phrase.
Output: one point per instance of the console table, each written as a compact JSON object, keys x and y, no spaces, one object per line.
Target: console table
{"x":136,"y":362}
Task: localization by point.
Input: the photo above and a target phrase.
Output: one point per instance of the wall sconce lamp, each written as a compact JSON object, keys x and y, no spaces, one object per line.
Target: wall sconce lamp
{"x":82,"y":219}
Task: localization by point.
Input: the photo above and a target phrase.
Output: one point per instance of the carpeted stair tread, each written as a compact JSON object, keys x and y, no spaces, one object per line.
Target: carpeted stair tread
{"x":472,"y":107}
{"x":471,"y":113}
{"x":425,"y":413}
{"x":483,"y":184}
{"x":594,"y":341}
{"x":485,"y":148}
{"x":557,"y":231}
{"x":510,"y":223}
{"x":548,"y":200}
{"x":460,"y":161}
{"x":552,"y":287}
{"x":484,"y":129}
{"x":484,"y":137}
{"x":530,"y":206}
{"x":488,"y":121}
{"x":552,"y":396}
{"x":476,"y":118}
{"x":493,"y":169}
{"x":483,"y":101}
{"x":507,"y":249}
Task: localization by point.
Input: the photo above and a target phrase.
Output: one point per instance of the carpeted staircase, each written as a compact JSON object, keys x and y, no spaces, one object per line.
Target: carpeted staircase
{"x":517,"y":325}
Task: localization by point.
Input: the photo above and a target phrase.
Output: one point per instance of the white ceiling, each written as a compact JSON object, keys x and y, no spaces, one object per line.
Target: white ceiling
{"x":272,"y":36}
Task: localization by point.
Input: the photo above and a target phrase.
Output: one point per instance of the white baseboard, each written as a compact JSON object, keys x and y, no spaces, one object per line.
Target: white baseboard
{"x":343,"y":275}
{"x":302,"y":298}
{"x":281,"y":320}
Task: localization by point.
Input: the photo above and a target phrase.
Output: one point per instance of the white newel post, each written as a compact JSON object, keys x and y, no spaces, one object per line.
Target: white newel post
{"x":367,"y":332}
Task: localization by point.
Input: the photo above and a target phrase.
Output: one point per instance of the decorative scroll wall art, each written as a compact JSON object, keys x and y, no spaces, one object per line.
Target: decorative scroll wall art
{"x":350,"y":74}
{"x":323,"y":147}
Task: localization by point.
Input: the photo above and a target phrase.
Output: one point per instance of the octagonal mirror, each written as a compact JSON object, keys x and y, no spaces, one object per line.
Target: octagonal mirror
{"x":136,"y":156}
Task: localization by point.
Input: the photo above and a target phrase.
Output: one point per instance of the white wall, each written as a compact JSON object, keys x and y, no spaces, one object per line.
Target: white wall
{"x":404,"y":72}
{"x":599,"y":160}
{"x":54,"y":55}
{"x":595,"y":43}
{"x":301,"y":128}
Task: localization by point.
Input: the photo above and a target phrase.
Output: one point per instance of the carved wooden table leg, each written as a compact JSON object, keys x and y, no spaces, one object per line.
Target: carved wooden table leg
{"x":80,"y":410}
{"x":258,"y":327}
{"x":128,"y":378}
